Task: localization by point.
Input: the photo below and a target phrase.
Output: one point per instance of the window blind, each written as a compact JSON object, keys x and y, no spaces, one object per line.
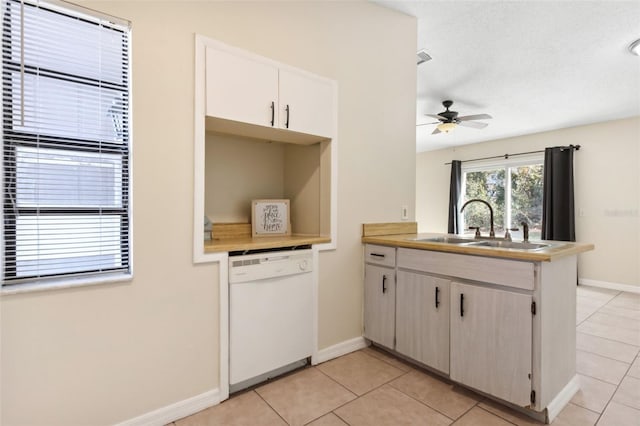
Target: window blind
{"x":66,"y":142}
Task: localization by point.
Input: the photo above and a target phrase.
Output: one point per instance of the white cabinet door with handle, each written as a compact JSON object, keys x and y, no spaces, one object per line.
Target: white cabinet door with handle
{"x":241,"y":88}
{"x":379,"y":305}
{"x":491,"y":338}
{"x":422,"y":319}
{"x":306,"y":103}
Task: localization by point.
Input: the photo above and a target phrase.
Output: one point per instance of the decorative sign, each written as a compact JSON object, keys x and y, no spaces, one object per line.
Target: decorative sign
{"x":270,"y":217}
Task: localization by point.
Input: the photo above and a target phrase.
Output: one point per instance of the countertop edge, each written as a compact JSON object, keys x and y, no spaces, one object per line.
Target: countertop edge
{"x":545,"y":255}
{"x":248,"y":243}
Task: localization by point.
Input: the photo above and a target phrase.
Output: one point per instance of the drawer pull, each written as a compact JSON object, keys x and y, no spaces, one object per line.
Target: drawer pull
{"x":382,"y":256}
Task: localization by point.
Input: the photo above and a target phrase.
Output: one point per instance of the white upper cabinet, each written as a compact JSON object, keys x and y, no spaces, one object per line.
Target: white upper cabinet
{"x":306,"y":103}
{"x":241,"y":88}
{"x":247,"y":89}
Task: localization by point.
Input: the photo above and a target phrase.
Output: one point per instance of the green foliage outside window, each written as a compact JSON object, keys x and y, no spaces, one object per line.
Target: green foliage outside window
{"x":491,"y":186}
{"x":486,"y":185}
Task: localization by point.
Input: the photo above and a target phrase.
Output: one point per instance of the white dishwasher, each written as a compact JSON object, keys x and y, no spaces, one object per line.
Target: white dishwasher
{"x":270,"y":315}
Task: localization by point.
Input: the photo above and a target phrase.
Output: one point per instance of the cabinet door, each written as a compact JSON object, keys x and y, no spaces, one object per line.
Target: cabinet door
{"x":491,"y":341}
{"x":379,"y":305}
{"x":240,"y":88}
{"x":306,"y":103}
{"x":422,"y":319}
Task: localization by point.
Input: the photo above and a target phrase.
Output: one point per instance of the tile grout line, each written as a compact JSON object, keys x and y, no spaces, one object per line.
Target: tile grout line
{"x":595,"y":335}
{"x":427,"y":405}
{"x":417,"y":368}
{"x":605,"y":357}
{"x":498,"y":415}
{"x":272,"y":408}
{"x":611,"y":340}
{"x":606,"y":406}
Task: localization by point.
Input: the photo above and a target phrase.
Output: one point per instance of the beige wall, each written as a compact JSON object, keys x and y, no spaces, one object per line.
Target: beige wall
{"x":607,"y":191}
{"x":238,"y":170}
{"x":101,"y":355}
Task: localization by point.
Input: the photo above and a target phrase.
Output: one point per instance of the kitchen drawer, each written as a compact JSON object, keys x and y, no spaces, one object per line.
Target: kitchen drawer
{"x":380,"y":255}
{"x":511,"y":273}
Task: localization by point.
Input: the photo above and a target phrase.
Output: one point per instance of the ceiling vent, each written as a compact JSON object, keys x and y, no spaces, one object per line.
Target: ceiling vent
{"x":423,"y":57}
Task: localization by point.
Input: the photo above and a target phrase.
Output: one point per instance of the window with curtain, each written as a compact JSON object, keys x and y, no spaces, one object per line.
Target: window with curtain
{"x":513,"y":187}
{"x":66,"y":142}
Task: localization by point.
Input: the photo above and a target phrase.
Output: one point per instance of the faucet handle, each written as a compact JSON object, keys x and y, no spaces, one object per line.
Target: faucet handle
{"x":477,"y":228}
{"x":507,"y":235}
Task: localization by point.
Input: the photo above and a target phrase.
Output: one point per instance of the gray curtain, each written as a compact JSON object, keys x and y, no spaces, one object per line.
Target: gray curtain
{"x":454,"y":196}
{"x":558,"y":215}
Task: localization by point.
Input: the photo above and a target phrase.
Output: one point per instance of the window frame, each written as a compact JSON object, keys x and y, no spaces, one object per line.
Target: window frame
{"x":13,"y":139}
{"x":507,"y":163}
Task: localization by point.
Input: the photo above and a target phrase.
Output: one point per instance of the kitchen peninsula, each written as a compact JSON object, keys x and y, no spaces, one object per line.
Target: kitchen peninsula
{"x":498,"y":318}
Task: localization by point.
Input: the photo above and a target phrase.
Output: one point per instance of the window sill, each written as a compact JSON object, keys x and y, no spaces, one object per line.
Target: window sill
{"x":64,"y":283}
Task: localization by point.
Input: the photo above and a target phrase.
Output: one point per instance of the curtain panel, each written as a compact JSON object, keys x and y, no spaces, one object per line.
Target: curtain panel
{"x":455,"y":188}
{"x":558,"y":212}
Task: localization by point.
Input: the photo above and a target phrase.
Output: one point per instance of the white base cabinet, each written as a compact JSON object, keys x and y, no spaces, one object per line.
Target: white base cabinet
{"x":422,"y":319}
{"x":380,"y":295}
{"x":508,"y":331}
{"x":491,"y":341}
{"x":380,"y":305}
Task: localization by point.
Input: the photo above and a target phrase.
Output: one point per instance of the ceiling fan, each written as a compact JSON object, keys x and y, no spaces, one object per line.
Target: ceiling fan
{"x":448,"y":120}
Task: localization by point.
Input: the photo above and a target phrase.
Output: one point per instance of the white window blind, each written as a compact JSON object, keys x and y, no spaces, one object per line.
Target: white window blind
{"x":65,"y":142}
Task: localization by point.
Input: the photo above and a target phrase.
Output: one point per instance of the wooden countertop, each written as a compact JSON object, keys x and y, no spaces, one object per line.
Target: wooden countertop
{"x":556,"y":249}
{"x":248,"y":243}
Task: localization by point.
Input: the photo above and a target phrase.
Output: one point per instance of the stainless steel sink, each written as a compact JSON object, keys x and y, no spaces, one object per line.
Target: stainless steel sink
{"x":511,"y":244}
{"x":497,"y":243}
{"x":446,"y":240}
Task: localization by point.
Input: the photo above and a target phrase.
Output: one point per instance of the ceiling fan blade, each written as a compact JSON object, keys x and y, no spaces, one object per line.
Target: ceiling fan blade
{"x":474,"y":124}
{"x":439,"y":117}
{"x":436,"y":131}
{"x":426,"y":124}
{"x":475,"y":117}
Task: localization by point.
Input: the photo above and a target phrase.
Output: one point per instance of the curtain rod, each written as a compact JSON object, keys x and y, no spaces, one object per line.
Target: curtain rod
{"x":506,"y":156}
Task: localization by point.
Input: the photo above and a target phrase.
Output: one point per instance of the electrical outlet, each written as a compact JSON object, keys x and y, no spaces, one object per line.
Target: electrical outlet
{"x":405,"y":213}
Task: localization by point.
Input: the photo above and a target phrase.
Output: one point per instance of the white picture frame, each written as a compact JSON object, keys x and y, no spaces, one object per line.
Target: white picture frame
{"x":270,"y":217}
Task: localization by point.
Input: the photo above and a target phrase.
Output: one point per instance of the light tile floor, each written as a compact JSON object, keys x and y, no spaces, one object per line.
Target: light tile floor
{"x":370,"y":387}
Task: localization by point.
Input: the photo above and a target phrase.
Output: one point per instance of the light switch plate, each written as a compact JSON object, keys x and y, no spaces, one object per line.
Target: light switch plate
{"x":405,"y":213}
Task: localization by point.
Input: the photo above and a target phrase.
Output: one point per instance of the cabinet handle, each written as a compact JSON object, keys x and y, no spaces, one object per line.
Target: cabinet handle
{"x":286,"y":124}
{"x":378,"y":255}
{"x":384,"y":284}
{"x":461,"y":304}
{"x":273,"y":113}
{"x":437,"y":297}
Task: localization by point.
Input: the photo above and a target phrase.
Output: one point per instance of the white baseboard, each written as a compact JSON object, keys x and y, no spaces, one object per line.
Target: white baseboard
{"x":613,"y":286}
{"x":340,"y":349}
{"x":562,"y":399}
{"x":176,"y":411}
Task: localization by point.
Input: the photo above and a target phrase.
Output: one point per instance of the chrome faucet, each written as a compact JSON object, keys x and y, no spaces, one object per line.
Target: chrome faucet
{"x":525,"y":231}
{"x":492,"y":233}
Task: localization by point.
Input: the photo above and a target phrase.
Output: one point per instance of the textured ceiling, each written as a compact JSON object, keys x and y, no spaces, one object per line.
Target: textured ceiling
{"x":533,"y":65}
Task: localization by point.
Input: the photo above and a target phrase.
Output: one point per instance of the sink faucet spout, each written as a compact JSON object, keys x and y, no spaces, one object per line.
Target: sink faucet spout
{"x":492,"y":233}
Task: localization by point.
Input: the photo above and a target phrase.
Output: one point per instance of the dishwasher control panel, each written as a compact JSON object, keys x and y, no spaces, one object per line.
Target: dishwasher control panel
{"x":261,"y":266}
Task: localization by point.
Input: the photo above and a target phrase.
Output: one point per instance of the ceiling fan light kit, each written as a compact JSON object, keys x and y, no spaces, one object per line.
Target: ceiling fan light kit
{"x":446,"y":127}
{"x":449,"y":120}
